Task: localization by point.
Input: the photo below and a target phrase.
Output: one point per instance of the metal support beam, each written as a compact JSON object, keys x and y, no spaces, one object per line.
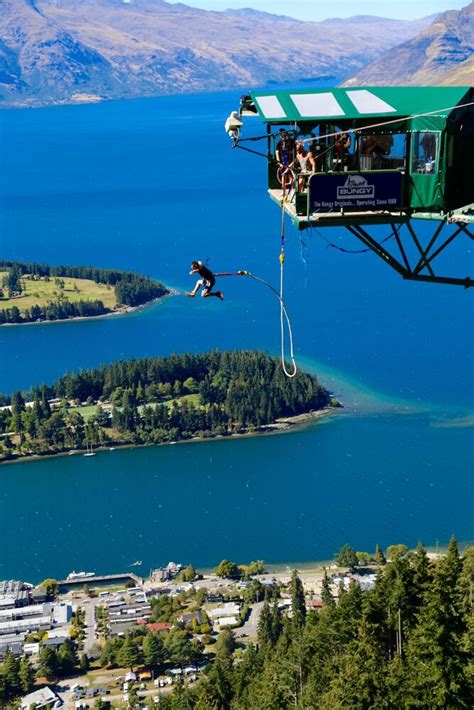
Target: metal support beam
{"x":374,"y":246}
{"x":433,"y":239}
{"x":405,"y":270}
{"x":441,"y":248}
{"x":423,"y":260}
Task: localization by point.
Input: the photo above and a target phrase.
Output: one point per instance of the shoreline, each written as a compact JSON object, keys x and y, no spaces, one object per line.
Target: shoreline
{"x":282,"y":425}
{"x":122,"y":311}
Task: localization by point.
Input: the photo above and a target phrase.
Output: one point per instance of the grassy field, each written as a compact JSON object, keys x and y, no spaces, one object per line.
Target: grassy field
{"x":87,"y":411}
{"x":41,"y":292}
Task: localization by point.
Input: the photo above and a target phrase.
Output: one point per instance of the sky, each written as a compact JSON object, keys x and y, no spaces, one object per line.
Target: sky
{"x":317,"y":10}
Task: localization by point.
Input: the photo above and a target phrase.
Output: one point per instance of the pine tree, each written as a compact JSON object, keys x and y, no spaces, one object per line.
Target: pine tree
{"x":130,"y":654}
{"x":153,"y":650}
{"x":436,"y":651}
{"x":379,"y":556}
{"x":49,"y":664}
{"x":26,"y":675}
{"x":298,"y":604}
{"x":277,"y":623}
{"x":11,"y":674}
{"x":264,"y":629}
{"x":67,"y":657}
{"x":360,"y":682}
{"x":326,"y":594}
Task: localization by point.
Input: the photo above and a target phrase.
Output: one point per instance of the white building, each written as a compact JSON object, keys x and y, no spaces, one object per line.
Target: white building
{"x":44,"y":698}
{"x":226,"y":621}
{"x":228,"y":609}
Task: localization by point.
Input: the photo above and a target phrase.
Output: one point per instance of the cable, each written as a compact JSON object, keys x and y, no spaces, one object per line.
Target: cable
{"x":283,"y":312}
{"x":353,"y":251}
{"x":370,"y":126}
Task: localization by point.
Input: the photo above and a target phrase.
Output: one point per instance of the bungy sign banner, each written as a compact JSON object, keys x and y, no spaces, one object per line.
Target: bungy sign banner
{"x":355,"y":191}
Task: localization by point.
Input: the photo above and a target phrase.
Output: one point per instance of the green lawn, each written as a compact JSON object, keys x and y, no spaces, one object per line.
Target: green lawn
{"x":41,"y":292}
{"x":86,"y":411}
{"x":191,"y":398}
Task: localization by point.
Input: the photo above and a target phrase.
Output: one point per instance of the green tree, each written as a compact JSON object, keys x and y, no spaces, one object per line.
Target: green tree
{"x":67,"y":657}
{"x":48,"y":664}
{"x":379,"y":556}
{"x":153,"y":650}
{"x":133,"y":699}
{"x":436,"y":652}
{"x":346,"y":557}
{"x":50,"y":586}
{"x":298,"y":603}
{"x":12,"y":281}
{"x":26,"y":675}
{"x":178,"y":647}
{"x":188,"y":574}
{"x":11,"y":673}
{"x":225,"y":648}
{"x":84,"y":664}
{"x":227,"y":569}
{"x":326,"y":594}
{"x":394,"y":551}
{"x":264,"y":629}
{"x":130,"y":654}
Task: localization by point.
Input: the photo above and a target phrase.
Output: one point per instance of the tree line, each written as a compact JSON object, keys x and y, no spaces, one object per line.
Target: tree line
{"x":147,"y":402}
{"x":130,"y":290}
{"x":408,"y":643}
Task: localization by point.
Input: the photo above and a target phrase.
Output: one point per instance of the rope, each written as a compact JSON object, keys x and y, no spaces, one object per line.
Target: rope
{"x":283,"y":313}
{"x":282,"y":303}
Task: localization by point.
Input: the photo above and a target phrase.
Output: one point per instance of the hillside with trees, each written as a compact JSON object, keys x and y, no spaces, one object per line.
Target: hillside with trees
{"x":407,"y":643}
{"x":32,"y":292}
{"x":155,"y":400}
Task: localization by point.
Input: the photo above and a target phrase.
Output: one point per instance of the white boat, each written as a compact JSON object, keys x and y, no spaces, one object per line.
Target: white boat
{"x":79,"y":575}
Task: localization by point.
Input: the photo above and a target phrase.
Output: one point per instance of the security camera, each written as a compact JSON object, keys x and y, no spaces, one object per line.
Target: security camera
{"x":233,"y":126}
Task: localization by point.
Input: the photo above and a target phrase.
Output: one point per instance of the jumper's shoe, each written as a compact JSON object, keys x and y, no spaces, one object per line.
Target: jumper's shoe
{"x":221,"y":295}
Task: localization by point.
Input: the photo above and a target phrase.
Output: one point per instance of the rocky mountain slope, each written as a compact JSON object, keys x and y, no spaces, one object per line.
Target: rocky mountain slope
{"x":55,"y":51}
{"x":442,"y":54}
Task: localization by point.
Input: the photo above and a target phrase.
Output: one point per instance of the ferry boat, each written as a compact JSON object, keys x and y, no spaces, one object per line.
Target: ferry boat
{"x":79,"y":575}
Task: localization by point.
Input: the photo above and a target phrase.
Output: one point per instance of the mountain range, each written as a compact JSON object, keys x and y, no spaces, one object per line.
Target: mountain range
{"x":442,"y":54}
{"x":56,"y":51}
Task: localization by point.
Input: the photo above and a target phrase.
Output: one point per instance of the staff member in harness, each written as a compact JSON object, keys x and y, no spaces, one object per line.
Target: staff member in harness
{"x":207,"y":281}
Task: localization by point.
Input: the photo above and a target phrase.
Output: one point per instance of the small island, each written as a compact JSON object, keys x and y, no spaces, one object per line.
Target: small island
{"x":158,"y":400}
{"x":33,"y":293}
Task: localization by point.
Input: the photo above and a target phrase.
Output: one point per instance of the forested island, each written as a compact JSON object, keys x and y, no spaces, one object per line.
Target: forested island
{"x":31,"y":293}
{"x":156,"y":400}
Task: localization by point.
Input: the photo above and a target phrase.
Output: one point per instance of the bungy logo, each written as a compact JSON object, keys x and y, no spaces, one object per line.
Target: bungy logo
{"x":355,"y":186}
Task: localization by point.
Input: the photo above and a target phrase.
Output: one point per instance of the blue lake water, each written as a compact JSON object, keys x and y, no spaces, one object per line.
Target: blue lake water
{"x":148,"y":185}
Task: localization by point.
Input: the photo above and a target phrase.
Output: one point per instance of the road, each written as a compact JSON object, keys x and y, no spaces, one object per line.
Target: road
{"x":89,"y":606}
{"x":251,"y":625}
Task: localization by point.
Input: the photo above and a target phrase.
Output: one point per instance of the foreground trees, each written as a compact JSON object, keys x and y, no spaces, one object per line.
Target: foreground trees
{"x":405,"y":644}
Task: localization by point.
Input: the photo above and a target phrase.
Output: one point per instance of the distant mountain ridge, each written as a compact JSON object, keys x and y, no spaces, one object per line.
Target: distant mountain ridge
{"x":56,"y":51}
{"x":443,"y":54}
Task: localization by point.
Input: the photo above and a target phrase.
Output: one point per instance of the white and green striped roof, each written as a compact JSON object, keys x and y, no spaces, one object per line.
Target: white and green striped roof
{"x":356,"y":103}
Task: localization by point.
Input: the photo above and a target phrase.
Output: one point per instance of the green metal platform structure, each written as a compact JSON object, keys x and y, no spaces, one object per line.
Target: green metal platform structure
{"x":377,"y":156}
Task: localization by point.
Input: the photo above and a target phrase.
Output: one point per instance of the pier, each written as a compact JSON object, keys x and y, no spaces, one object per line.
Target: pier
{"x":101,"y":579}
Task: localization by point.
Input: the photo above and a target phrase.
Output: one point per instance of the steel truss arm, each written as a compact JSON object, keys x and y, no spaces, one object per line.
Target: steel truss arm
{"x":402,"y":264}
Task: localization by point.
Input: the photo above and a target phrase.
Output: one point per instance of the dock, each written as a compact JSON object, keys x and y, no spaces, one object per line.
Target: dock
{"x":102,"y":579}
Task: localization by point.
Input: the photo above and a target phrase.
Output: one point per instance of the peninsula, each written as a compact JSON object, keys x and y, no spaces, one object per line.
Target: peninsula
{"x":158,"y":400}
{"x":32,"y":293}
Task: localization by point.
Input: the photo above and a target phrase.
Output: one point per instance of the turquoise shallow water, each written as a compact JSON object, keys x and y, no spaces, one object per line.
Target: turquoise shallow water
{"x":149,"y":185}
